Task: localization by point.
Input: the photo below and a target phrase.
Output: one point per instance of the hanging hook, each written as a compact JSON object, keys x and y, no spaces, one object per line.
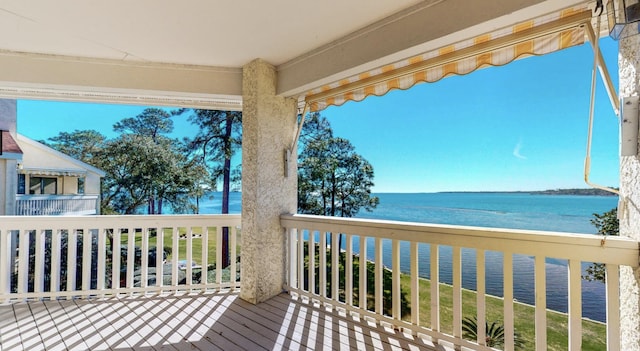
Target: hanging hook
{"x":599,"y":8}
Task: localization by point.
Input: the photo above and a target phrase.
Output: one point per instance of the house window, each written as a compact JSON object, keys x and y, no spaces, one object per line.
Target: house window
{"x":80,"y":185}
{"x":42,"y":185}
{"x":21,"y":183}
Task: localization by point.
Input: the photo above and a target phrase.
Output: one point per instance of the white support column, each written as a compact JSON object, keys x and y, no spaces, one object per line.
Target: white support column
{"x":629,"y":67}
{"x":8,"y":174}
{"x":268,"y":128}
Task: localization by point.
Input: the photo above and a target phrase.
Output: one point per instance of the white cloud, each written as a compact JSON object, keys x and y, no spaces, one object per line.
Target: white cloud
{"x":516,"y":151}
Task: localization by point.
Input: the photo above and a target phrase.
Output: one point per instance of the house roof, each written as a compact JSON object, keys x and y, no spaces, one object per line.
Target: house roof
{"x":9,"y":145}
{"x":82,"y":168}
{"x":192,"y":53}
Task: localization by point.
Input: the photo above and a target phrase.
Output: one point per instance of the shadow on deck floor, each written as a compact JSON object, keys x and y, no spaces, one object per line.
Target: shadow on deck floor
{"x":209,"y":321}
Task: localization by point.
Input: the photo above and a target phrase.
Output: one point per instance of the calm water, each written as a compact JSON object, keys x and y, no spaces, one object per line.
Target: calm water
{"x":500,"y":210}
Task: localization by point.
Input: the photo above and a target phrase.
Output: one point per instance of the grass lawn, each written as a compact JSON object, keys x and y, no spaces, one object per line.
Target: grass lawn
{"x":196,"y":243}
{"x":593,"y":333}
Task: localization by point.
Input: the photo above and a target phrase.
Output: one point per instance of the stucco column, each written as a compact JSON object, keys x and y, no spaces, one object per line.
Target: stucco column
{"x":268,"y":128}
{"x":629,"y":66}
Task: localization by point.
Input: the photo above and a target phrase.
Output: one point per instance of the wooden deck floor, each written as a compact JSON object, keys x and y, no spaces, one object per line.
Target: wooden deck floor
{"x":216,"y":321}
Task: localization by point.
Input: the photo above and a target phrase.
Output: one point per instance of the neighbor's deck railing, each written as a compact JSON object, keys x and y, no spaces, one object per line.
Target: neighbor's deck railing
{"x":52,"y":256}
{"x":304,"y":233}
{"x":56,"y":205}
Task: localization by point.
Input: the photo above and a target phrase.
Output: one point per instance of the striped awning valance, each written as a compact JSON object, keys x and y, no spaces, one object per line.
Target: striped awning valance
{"x":539,"y":36}
{"x":53,"y":172}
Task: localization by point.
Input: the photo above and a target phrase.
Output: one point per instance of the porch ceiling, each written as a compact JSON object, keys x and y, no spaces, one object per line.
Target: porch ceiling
{"x":131,"y":51}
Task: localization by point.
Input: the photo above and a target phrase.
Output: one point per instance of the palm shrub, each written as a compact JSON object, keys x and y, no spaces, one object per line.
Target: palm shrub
{"x":494,"y":333}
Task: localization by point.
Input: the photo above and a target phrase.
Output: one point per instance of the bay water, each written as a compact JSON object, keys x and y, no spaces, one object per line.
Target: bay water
{"x":561,"y":213}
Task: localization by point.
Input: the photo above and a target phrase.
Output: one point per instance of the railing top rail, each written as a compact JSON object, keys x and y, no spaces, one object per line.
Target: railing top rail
{"x":56,"y":197}
{"x":585,"y":247}
{"x":118,"y":221}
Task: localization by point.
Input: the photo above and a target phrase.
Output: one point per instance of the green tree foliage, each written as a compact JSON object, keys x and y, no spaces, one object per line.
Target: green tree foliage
{"x":152,"y":122}
{"x":144,"y":172}
{"x":333,"y":180}
{"x":218,"y":139}
{"x":144,"y":167}
{"x":84,"y":145}
{"x":606,"y":224}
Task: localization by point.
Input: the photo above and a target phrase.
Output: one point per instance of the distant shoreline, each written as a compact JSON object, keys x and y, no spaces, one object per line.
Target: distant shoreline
{"x":575,"y":191}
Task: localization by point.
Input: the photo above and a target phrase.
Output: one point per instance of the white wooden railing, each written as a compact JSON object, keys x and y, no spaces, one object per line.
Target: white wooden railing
{"x":304,"y":233}
{"x":53,"y":257}
{"x":56,"y":205}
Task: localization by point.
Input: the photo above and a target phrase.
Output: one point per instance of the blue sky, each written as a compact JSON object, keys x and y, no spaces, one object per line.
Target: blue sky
{"x":522,"y":126}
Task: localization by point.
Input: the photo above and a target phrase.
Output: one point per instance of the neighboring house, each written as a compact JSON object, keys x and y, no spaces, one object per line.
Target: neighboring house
{"x":47,"y":182}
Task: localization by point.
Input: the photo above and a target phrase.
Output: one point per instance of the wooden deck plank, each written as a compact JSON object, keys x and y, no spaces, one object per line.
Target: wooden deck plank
{"x":31,"y":340}
{"x":9,"y":333}
{"x":233,"y":331}
{"x":51,"y":338}
{"x":110,"y":324}
{"x":342,"y":326}
{"x":165,"y":321}
{"x":176,"y":309}
{"x":255,"y":320}
{"x":106,"y":335}
{"x":125,"y":321}
{"x":147,"y":312}
{"x":210,"y":321}
{"x":68,"y":324}
{"x":216,"y":332}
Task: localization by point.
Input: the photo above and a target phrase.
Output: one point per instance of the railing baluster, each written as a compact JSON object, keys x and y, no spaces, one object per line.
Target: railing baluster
{"x":292,"y":257}
{"x":38,"y":280}
{"x":23,"y":264}
{"x":36,"y":257}
{"x":348,"y":270}
{"x":131,"y":254}
{"x":189,"y":254}
{"x":435,"y":287}
{"x":335,"y":269}
{"x":72,"y":259}
{"x":116,"y":257}
{"x":612,"y":273}
{"x":204,"y":271}
{"x":541,"y":303}
{"x":322,"y":264}
{"x":362,"y":284}
{"x":219,"y":255}
{"x":86,"y":259}
{"x":415,"y":285}
{"x":575,"y":305}
{"x":102,"y":255}
{"x":5,"y":264}
{"x":396,"y":309}
{"x":55,"y":260}
{"x":300,"y":259}
{"x":233,"y":233}
{"x":160,"y":256}
{"x":312,"y":262}
{"x":175,"y":253}
{"x":508,"y":301}
{"x":457,"y":291}
{"x":379,"y":291}
{"x":144,"y":257}
{"x":480,"y":297}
